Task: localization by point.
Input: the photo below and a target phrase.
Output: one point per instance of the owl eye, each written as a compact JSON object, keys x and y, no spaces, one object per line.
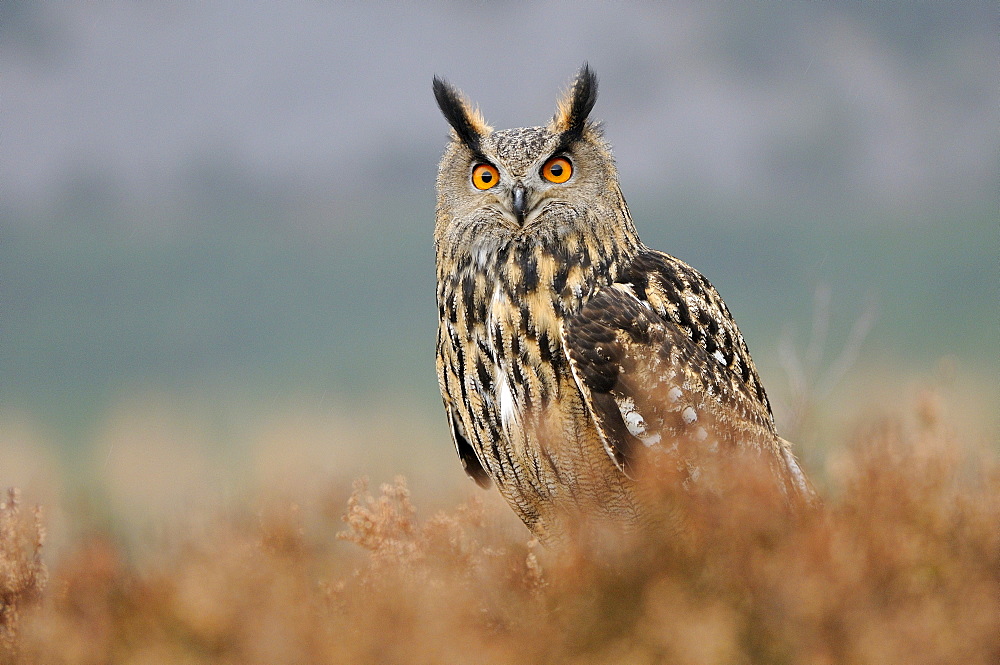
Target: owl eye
{"x":485,"y":176}
{"x":557,"y":169}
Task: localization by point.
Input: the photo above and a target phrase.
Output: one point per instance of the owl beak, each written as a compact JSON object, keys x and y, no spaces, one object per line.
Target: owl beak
{"x":519,"y":200}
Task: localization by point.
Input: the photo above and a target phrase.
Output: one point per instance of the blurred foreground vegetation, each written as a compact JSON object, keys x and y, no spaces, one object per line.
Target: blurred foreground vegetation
{"x":900,"y":563}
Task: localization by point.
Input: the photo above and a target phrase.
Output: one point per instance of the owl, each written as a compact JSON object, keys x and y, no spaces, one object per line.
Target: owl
{"x":566,"y":348}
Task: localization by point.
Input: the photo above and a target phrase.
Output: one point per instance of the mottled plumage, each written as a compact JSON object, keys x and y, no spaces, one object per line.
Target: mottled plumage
{"x":566,"y":347}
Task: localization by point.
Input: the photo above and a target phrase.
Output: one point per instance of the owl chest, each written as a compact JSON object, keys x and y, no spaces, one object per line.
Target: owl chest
{"x":505,"y":341}
{"x":519,"y":341}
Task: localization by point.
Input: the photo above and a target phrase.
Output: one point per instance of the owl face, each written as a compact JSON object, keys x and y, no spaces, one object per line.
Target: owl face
{"x":519,"y":175}
{"x":525,"y":183}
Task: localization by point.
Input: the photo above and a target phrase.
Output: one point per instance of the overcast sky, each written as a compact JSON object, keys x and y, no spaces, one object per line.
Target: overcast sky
{"x":749,"y":99}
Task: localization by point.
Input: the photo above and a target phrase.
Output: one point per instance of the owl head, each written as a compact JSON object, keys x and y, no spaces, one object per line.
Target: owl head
{"x":529,"y":183}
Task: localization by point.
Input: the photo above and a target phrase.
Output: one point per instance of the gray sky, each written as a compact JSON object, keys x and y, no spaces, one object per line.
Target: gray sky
{"x":898,"y":107}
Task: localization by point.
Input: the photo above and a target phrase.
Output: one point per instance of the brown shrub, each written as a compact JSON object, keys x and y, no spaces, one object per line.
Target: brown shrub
{"x":22,"y":573}
{"x":899,"y":563}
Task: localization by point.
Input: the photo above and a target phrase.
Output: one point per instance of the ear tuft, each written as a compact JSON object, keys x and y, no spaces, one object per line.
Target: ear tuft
{"x":468,"y":123}
{"x":576,"y":105}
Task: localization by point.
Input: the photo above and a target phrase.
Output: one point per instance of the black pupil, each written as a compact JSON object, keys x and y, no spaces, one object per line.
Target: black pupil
{"x":485,"y":175}
{"x":556,"y":170}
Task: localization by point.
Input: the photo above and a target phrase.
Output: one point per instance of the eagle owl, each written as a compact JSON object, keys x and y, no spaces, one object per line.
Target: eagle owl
{"x":566,"y":348}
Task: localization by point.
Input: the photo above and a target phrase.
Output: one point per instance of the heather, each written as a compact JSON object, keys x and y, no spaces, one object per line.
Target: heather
{"x":899,"y":562}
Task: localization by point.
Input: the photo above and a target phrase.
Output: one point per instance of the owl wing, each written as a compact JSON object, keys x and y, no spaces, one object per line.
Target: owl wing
{"x":470,"y":461}
{"x":659,"y":360}
{"x":446,"y":381}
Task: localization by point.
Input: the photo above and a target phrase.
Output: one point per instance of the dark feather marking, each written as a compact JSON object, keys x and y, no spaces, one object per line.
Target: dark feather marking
{"x":560,"y":278}
{"x":470,"y":461}
{"x":674,"y":280}
{"x":694,"y":281}
{"x":544,"y":348}
{"x":639,"y":282}
{"x":485,"y":378}
{"x":469,"y":295}
{"x":554,"y":467}
{"x":453,"y":107}
{"x":498,"y":335}
{"x":684,"y":314}
{"x":480,"y":313}
{"x":516,"y":374}
{"x":460,"y":361}
{"x":529,"y":517}
{"x":510,"y":467}
{"x":703,"y":318}
{"x":713,"y":327}
{"x":529,"y":278}
{"x":726,"y":340}
{"x":536,"y":462}
{"x":710,"y":345}
{"x":559,"y":254}
{"x":502,"y":254}
{"x":495,"y":449}
{"x":582,"y":103}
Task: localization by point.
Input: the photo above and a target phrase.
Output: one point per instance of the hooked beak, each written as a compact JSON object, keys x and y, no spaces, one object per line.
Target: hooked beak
{"x":519,"y":201}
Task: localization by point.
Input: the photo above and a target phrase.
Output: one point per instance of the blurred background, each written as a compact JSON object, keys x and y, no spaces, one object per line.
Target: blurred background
{"x":216,"y":264}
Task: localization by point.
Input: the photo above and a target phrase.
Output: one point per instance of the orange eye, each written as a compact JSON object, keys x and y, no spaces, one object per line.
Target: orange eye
{"x":485,"y":176}
{"x":557,"y":169}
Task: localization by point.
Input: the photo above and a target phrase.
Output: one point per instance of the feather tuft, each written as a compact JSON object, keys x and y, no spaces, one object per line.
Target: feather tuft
{"x":467,"y":121}
{"x":575,"y":106}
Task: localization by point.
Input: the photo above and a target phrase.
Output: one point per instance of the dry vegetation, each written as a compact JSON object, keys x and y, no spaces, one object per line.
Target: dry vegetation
{"x":900,"y":564}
